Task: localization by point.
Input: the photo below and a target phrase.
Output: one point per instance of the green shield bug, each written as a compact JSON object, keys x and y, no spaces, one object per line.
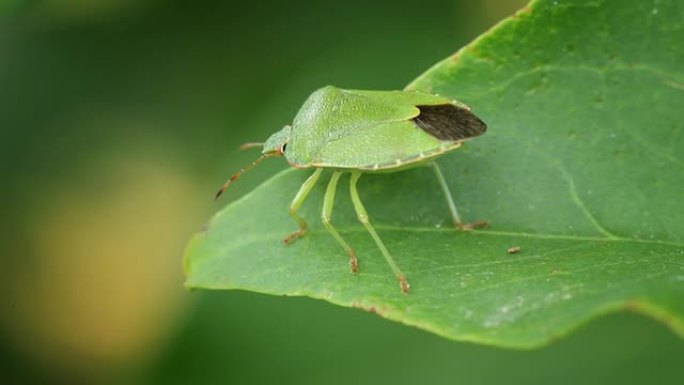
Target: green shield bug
{"x":367,"y":132}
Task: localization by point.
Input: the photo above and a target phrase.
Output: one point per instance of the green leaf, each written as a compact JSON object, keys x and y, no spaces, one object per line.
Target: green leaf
{"x":582,"y":168}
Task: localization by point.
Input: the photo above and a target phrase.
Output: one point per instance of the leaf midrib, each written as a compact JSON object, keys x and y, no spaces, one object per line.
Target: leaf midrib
{"x":615,"y":239}
{"x":279,"y":175}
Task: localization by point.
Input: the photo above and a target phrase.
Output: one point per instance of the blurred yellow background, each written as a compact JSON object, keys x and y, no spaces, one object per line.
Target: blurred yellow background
{"x":118,"y":121}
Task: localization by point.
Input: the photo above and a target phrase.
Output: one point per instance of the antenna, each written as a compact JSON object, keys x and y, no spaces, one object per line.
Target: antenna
{"x":247,"y":146}
{"x":242,"y":171}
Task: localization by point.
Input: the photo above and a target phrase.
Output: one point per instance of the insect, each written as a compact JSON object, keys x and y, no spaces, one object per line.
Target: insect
{"x":367,"y":132}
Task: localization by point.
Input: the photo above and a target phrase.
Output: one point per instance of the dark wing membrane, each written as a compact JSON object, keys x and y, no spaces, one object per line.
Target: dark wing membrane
{"x":449,"y":122}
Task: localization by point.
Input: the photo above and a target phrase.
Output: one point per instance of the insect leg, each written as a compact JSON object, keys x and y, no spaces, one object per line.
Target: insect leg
{"x":297,"y":202}
{"x":452,"y":206}
{"x":447,"y":193}
{"x":363,"y":217}
{"x":326,"y":217}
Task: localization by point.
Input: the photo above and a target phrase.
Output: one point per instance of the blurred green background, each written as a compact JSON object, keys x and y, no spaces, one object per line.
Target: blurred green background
{"x":118,"y":121}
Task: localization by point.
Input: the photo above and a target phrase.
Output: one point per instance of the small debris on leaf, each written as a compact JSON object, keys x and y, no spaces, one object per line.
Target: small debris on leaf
{"x":513,"y":250}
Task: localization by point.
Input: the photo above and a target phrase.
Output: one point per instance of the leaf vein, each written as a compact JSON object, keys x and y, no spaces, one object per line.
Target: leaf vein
{"x":585,"y":210}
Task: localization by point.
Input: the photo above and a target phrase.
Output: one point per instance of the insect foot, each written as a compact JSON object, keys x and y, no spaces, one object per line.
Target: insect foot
{"x":353,"y":263}
{"x":473,"y":225}
{"x":404,"y":284}
{"x":292,"y":237}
